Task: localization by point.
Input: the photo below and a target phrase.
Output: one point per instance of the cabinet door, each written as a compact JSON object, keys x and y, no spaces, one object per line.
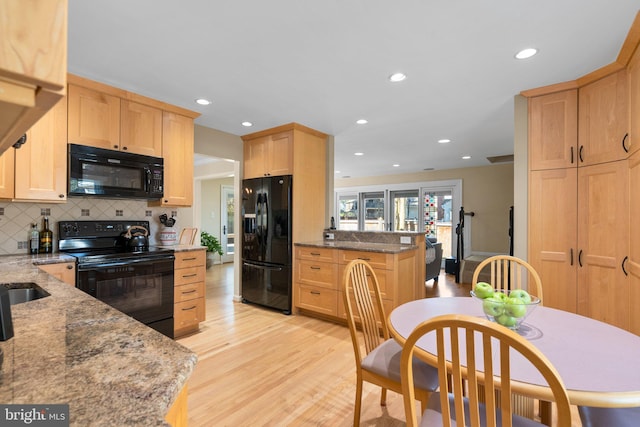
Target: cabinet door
{"x":632,"y":266}
{"x":603,"y":239}
{"x":553,"y":204}
{"x":140,"y":129}
{"x":603,"y":120}
{"x":280,"y":154}
{"x":62,"y":271}
{"x":41,"y":163}
{"x":94,"y":118}
{"x":33,"y":42}
{"x":633,"y":83}
{"x":177,"y":150}
{"x":553,"y":130}
{"x":7,"y":161}
{"x":255,"y":152}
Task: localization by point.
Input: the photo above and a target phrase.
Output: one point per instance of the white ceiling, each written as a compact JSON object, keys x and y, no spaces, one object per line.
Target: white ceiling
{"x":325,"y":64}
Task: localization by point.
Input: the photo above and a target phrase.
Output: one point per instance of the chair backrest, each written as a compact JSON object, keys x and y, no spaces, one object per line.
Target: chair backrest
{"x":462,"y":339}
{"x":360,"y":282}
{"x":509,"y":272}
{"x":188,"y":236}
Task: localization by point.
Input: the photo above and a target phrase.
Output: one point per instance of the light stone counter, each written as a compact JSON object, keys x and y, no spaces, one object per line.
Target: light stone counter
{"x":71,"y":348}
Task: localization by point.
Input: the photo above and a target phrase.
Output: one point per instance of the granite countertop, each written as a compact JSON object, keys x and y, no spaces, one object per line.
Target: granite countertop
{"x":391,"y":248}
{"x":71,"y":348}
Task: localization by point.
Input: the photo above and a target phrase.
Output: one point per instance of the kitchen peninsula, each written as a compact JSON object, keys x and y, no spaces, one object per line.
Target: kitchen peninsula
{"x":69,"y":348}
{"x":398,"y":259}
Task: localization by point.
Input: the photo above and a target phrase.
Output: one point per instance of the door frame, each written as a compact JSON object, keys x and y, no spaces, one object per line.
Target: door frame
{"x":224,"y":219}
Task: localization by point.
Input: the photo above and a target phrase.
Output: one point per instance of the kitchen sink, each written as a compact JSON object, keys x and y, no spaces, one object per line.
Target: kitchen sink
{"x":20,"y":292}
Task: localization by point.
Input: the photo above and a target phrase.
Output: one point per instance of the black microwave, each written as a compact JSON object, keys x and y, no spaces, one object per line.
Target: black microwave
{"x":95,"y":172}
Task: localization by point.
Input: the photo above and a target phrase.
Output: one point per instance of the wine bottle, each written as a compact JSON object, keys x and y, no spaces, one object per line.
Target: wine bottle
{"x":34,"y":239}
{"x":46,"y":238}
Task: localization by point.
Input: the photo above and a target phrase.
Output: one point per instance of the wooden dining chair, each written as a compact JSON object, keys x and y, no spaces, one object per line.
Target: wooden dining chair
{"x":377,"y":356}
{"x":605,"y":417}
{"x":188,"y":236}
{"x":509,"y":272}
{"x":475,"y":352}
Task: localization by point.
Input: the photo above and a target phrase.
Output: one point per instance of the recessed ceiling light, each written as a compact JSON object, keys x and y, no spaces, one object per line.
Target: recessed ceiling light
{"x":247,"y":124}
{"x":396,"y":165}
{"x":358,"y":154}
{"x":336,"y":171}
{"x":444,"y":141}
{"x":362,"y":122}
{"x":466,"y":157}
{"x":203,"y":101}
{"x":397,"y":77}
{"x":526,"y":53}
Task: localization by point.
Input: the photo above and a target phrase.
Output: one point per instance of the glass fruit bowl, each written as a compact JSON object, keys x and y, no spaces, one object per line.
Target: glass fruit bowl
{"x":508,"y":310}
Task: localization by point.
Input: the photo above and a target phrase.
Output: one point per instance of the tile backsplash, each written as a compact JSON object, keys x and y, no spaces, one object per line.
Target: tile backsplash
{"x":16,"y":218}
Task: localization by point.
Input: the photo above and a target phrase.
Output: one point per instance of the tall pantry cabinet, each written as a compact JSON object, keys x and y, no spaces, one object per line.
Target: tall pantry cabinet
{"x":583,"y":180}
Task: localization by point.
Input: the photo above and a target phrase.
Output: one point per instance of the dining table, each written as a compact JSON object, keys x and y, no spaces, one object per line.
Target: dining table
{"x":599,"y":363}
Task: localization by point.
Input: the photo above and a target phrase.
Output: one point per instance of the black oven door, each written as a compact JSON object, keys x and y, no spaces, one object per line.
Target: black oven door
{"x":141,"y":288}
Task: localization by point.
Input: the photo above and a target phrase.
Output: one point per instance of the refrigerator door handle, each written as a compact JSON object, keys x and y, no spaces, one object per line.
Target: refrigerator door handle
{"x":262,"y":267}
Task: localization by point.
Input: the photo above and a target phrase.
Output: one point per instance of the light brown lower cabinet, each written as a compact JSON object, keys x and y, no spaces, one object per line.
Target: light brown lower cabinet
{"x":189,"y":291}
{"x":177,"y":415}
{"x":319,"y":278}
{"x":65,"y":271}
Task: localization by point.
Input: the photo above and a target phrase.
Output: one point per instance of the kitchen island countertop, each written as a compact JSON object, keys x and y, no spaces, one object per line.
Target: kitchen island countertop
{"x":391,"y":248}
{"x":69,"y":348}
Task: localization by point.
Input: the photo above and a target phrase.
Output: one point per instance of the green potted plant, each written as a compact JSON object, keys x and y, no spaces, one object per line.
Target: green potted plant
{"x":212,"y":244}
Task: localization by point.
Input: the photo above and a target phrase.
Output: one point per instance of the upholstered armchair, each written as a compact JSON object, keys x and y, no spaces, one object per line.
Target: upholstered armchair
{"x":433,"y":259}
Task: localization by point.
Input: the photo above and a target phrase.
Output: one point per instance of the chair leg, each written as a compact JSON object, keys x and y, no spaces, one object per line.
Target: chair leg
{"x":356,"y":409}
{"x":383,"y":397}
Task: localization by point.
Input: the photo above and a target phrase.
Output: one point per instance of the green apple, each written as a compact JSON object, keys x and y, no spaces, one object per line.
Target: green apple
{"x":500,"y":295}
{"x":521,"y":294}
{"x":515,"y":307}
{"x":493,"y":306}
{"x":506,"y":320}
{"x":483,"y":290}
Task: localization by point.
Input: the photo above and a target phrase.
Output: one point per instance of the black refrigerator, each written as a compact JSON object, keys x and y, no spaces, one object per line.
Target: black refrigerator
{"x":266,"y":242}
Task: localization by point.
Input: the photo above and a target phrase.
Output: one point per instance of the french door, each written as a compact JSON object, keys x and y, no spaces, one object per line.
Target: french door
{"x":227,"y":228}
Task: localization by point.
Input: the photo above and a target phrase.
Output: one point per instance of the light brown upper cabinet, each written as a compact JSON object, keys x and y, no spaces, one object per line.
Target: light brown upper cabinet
{"x":269,"y":155}
{"x":94,"y":118}
{"x":33,"y":63}
{"x":37,"y":171}
{"x":603,"y":120}
{"x":177,"y":150}
{"x":140,"y":128}
{"x":633,"y":84}
{"x":553,"y":130}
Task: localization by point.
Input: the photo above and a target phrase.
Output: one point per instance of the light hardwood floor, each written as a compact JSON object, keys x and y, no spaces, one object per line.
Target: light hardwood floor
{"x":259,"y":367}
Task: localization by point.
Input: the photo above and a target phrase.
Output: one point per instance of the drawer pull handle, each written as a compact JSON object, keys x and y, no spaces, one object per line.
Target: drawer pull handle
{"x":184,"y":276}
{"x":189,"y":259}
{"x":364,"y":259}
{"x":190,"y":308}
{"x":315,"y":253}
{"x":313,"y":267}
{"x":315,"y":293}
{"x":188,"y":292}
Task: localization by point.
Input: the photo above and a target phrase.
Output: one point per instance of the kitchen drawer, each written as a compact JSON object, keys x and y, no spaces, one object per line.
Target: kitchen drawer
{"x":342,"y":310}
{"x":188,"y":314}
{"x":375,"y":259}
{"x":190,"y":258}
{"x":183,"y":276}
{"x":318,"y":299}
{"x":315,"y":273}
{"x":385,"y":280}
{"x":317,"y":254}
{"x":188,"y":292}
